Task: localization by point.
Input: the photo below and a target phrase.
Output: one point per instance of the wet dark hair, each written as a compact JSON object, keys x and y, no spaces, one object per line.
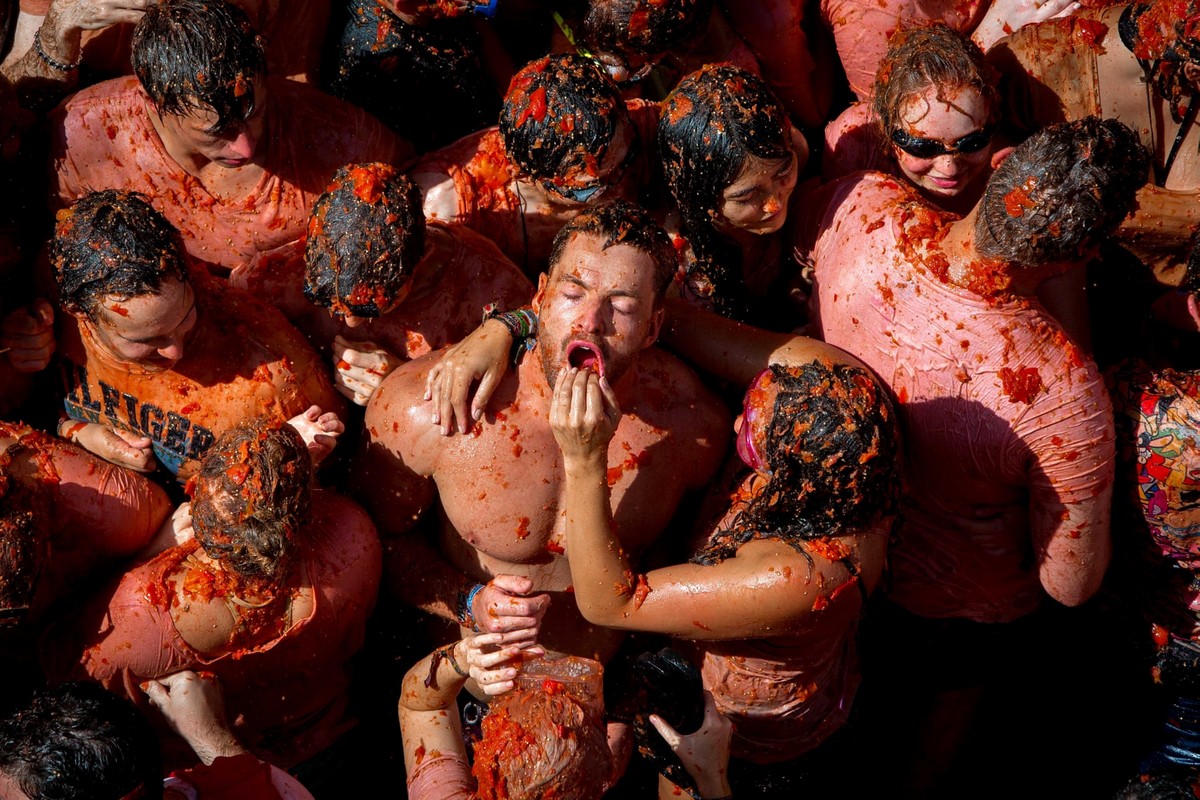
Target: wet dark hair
{"x":1062,"y":191}
{"x":113,"y":243}
{"x":931,"y":55}
{"x":252,"y":495}
{"x":366,"y":235}
{"x":22,"y":543}
{"x":710,"y":124}
{"x":199,"y":55}
{"x":80,"y":740}
{"x":622,"y":222}
{"x":560,"y":115}
{"x":832,"y":449}
{"x":645,"y":27}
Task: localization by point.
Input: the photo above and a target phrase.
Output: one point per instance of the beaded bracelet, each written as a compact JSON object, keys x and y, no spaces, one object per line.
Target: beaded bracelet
{"x":522,"y":325}
{"x":44,"y":56}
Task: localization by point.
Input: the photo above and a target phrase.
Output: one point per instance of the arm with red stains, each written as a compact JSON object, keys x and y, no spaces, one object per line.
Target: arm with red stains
{"x":1070,"y":490}
{"x":429,"y":720}
{"x":735,"y":351}
{"x":767,"y":587}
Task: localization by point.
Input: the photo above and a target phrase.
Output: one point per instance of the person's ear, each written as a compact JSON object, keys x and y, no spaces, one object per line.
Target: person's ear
{"x":656,"y":322}
{"x":540,"y":294}
{"x":1001,"y":154}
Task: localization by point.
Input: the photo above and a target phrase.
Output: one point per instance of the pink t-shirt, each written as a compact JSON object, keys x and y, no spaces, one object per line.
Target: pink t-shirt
{"x":861,"y":29}
{"x":1006,"y":423}
{"x":102,"y":138}
{"x":285,"y":695}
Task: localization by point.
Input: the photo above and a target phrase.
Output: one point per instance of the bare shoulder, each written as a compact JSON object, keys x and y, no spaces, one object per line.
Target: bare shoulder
{"x":671,"y":396}
{"x":440,"y":195}
{"x":398,"y":416}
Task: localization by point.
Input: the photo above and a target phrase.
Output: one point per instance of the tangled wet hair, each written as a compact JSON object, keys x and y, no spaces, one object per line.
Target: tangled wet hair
{"x":832,"y":450}
{"x":366,"y":236}
{"x":113,"y":243}
{"x":199,"y":55}
{"x":22,"y":544}
{"x":80,"y":740}
{"x":539,"y":745}
{"x":559,"y":117}
{"x":931,"y":55}
{"x":622,"y":222}
{"x":252,"y":495}
{"x":711,"y":123}
{"x":1171,"y":785}
{"x":1062,"y":191}
{"x":1165,"y":34}
{"x":645,"y":27}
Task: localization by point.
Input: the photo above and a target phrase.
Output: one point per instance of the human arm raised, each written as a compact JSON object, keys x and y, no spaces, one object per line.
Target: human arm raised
{"x":1003,"y":17}
{"x":433,"y":683}
{"x":767,"y":587}
{"x":54,"y":71}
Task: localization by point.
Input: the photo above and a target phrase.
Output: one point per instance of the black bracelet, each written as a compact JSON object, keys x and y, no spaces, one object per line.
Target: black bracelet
{"x":448,"y":654}
{"x":58,"y":65}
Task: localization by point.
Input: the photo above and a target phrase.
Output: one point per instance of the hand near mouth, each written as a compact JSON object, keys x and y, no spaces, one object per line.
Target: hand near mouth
{"x":583,"y":415}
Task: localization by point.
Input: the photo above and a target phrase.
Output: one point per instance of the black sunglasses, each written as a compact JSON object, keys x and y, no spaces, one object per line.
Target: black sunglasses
{"x":919,"y":147}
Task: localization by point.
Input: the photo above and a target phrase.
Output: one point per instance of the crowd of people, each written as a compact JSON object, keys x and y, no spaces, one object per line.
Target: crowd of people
{"x":599,"y":398}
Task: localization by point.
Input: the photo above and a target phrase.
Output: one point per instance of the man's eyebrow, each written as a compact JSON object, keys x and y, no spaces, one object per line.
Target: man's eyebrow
{"x":575,"y":279}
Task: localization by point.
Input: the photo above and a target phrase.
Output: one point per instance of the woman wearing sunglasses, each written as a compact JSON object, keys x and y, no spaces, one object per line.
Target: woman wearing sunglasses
{"x":731,"y":160}
{"x":931,"y":121}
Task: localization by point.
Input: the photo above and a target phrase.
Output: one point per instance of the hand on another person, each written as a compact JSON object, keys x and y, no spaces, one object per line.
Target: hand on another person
{"x":494,"y":659}
{"x":584,"y":415}
{"x":28,"y":336}
{"x":506,"y":604}
{"x":116,"y":445}
{"x":319,"y":431}
{"x":705,"y":753}
{"x":1005,"y":17}
{"x":359,"y":368}
{"x":194,"y":707}
{"x":480,"y":358}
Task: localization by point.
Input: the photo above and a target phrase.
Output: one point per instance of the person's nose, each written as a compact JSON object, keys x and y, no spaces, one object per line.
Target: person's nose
{"x":242,"y":145}
{"x":773,"y":205}
{"x":173,"y":351}
{"x":948,"y":165}
{"x":591,"y":317}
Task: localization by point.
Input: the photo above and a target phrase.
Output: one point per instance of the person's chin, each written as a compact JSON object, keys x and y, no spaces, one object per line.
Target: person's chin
{"x":233,"y":163}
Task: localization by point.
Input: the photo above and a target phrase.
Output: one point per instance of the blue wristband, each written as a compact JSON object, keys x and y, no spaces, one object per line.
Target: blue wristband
{"x":471,"y":602}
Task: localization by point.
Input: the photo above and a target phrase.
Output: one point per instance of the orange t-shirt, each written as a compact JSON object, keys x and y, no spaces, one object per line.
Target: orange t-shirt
{"x":243,"y":360}
{"x":102,"y":138}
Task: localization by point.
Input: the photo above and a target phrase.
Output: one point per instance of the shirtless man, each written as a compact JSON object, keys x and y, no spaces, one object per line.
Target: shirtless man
{"x":157,"y":357}
{"x":566,"y":140}
{"x":234,"y":160}
{"x":500,"y":487}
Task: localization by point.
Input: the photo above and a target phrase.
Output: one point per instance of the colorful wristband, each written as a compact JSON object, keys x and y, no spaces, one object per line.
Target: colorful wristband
{"x":522,"y":325}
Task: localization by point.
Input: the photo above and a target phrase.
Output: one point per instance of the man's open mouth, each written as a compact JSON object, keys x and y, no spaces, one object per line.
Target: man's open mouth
{"x":584,"y":355}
